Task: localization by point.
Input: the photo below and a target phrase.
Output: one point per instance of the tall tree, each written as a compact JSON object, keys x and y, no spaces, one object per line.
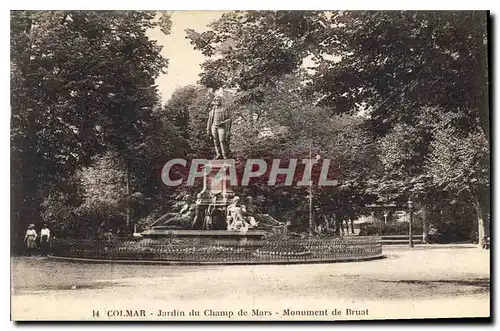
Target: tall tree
{"x":81,"y":82}
{"x":459,"y":163}
{"x":392,"y":62}
{"x":391,"y":66}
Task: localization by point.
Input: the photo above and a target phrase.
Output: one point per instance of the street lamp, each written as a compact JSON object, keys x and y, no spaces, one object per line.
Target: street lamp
{"x":311,"y":222}
{"x":410,"y":216}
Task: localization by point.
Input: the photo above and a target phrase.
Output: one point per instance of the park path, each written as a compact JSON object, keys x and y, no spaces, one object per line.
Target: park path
{"x":434,"y":282}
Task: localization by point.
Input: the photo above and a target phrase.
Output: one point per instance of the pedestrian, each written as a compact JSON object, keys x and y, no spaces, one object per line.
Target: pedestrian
{"x":30,"y":239}
{"x":45,"y":240}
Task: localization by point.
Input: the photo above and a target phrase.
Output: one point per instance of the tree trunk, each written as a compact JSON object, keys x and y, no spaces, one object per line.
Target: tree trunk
{"x":127,"y":181}
{"x":425,"y":224}
{"x":481,"y":231}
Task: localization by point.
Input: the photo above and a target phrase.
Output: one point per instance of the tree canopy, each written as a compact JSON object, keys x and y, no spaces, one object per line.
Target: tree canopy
{"x":82,"y":83}
{"x":397,"y":100}
{"x":406,"y":73}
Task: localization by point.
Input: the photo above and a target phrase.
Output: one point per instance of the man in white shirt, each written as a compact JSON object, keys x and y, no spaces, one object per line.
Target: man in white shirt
{"x":44,"y":240}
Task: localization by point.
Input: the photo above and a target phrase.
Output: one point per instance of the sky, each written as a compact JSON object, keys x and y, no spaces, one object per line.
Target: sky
{"x":184,"y":61}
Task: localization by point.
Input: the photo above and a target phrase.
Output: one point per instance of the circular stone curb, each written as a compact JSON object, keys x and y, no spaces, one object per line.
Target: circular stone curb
{"x":166,"y":262}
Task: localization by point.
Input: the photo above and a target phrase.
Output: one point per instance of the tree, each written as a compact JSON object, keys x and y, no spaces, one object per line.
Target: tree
{"x":248,"y":49}
{"x":285,"y":124}
{"x":402,"y":153}
{"x":104,"y":193}
{"x":402,"y":70}
{"x":459,"y":163}
{"x":81,"y":82}
{"x":388,"y":62}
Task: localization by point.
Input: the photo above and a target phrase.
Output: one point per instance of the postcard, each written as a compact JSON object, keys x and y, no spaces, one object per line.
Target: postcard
{"x":249,"y":165}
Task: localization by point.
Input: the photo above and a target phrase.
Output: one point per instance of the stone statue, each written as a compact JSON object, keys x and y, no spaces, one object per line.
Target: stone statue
{"x":185,"y":207}
{"x":236,"y":216}
{"x":199,"y":215}
{"x":251,"y":211}
{"x":219,"y":127}
{"x":184,"y":219}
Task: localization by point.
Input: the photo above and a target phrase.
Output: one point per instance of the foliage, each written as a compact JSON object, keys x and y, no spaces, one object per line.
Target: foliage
{"x":104,"y":190}
{"x":82,"y":83}
{"x":459,"y":161}
{"x":388,"y":63}
{"x":405,"y":72}
{"x":396,"y":100}
{"x":250,"y":49}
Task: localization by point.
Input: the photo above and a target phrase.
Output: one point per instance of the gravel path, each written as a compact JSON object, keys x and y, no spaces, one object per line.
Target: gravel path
{"x":423,"y":282}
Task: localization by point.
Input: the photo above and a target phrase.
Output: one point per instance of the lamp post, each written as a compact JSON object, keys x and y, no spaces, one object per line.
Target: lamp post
{"x":410,"y":220}
{"x":310,"y":194}
{"x":311,"y":221}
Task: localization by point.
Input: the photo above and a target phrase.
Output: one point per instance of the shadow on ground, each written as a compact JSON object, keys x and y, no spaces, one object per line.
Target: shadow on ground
{"x":479,"y":282}
{"x":430,"y":288}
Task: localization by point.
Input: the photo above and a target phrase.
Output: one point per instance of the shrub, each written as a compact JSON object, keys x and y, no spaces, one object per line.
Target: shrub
{"x":398,"y":228}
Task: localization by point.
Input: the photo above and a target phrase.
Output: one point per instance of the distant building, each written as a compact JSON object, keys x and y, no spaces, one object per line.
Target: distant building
{"x":386,"y":213}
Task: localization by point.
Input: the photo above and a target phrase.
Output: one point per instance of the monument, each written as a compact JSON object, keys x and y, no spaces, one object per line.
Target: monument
{"x":216,"y":211}
{"x":218,"y":227}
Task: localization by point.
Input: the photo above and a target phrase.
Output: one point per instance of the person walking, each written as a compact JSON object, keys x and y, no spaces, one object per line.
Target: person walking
{"x":44,"y":240}
{"x":30,"y":239}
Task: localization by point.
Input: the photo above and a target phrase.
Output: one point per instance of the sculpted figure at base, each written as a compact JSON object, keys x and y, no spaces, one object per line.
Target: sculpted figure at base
{"x":198,"y":216}
{"x":184,"y":209}
{"x":186,"y":218}
{"x":236,"y":216}
{"x":219,"y":127}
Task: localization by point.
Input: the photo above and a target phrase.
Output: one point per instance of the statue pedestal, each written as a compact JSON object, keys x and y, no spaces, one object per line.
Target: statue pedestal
{"x":217,"y":188}
{"x":217,"y":192}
